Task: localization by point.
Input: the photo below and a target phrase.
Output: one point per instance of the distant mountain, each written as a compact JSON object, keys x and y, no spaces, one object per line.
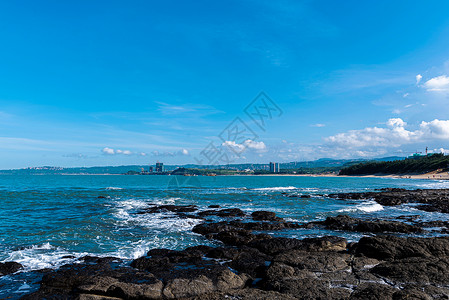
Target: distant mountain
{"x":320,"y":163}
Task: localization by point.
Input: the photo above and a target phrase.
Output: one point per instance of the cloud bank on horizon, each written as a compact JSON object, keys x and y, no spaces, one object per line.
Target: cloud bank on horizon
{"x":107,"y":83}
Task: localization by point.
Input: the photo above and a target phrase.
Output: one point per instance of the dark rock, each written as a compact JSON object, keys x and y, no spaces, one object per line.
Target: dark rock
{"x":229,"y":212}
{"x":250,"y":261}
{"x":325,"y":243}
{"x":264,"y":216}
{"x":237,"y":232}
{"x":239,"y":237}
{"x":276,"y":245}
{"x":9,"y":267}
{"x":415,"y":270}
{"x":306,"y":196}
{"x":391,"y":247}
{"x":99,"y":281}
{"x":214,"y":206}
{"x":315,"y":261}
{"x":372,"y":291}
{"x":279,"y":244}
{"x":432,"y":199}
{"x":170,"y":208}
{"x":411,"y":293}
{"x":347,"y":223}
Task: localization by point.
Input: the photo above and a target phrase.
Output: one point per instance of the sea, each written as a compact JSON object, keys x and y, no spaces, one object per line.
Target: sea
{"x":47,"y":221}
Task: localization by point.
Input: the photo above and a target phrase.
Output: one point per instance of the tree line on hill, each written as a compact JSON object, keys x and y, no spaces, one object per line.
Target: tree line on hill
{"x":419,"y":165}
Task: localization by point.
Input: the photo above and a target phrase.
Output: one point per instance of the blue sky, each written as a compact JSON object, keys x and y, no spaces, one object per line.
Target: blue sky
{"x":87,"y":83}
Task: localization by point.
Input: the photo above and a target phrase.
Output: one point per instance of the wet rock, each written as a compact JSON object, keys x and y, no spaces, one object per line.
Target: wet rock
{"x":347,"y":223}
{"x":264,"y":216}
{"x":246,"y":294}
{"x":415,"y":270}
{"x":99,"y":281}
{"x":306,"y":196}
{"x":276,"y":245}
{"x":239,"y":233}
{"x":187,"y":275}
{"x":214,"y":206}
{"x":315,"y":261}
{"x":9,"y":267}
{"x":170,"y":208}
{"x":325,"y":243}
{"x":229,"y":212}
{"x":392,"y":247}
{"x":309,"y":288}
{"x":250,"y":261}
{"x":239,"y":237}
{"x":368,"y":291}
{"x":432,"y":199}
{"x":279,"y":244}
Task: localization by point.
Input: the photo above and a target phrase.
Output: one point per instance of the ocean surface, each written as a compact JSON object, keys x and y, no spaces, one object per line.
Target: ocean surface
{"x":50,"y":220}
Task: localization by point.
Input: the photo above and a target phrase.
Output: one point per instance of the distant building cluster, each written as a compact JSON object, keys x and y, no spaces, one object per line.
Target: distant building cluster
{"x":274,"y":167}
{"x":159,"y":168}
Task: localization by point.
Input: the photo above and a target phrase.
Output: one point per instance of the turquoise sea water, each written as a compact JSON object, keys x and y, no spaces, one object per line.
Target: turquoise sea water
{"x":47,"y":221}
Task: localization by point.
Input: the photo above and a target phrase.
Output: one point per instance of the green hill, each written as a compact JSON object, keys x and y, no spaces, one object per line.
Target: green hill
{"x":413,"y":165}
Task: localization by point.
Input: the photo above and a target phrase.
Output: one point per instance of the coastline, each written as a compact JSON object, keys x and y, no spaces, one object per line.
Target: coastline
{"x":248,"y":262}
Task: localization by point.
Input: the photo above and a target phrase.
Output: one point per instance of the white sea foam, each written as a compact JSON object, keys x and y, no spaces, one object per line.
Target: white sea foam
{"x":114,"y":188}
{"x":277,"y":188}
{"x":438,"y":184}
{"x":126,"y":213}
{"x":42,"y":256}
{"x":367,"y":207}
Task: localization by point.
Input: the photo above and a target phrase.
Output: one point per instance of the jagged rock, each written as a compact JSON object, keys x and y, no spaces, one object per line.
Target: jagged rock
{"x":9,"y":267}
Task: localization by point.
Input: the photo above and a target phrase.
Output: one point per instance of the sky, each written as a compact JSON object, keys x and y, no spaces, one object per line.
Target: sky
{"x":94,"y":83}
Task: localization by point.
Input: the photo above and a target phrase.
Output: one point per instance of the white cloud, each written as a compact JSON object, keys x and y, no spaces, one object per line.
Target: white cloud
{"x":259,"y":146}
{"x":108,"y":151}
{"x":438,"y":84}
{"x":396,"y":122}
{"x":436,"y":129}
{"x":418,"y":78}
{"x":394,"y":135}
{"x":318,"y":125}
{"x":441,"y":150}
{"x":248,"y":144}
{"x":185,"y":152}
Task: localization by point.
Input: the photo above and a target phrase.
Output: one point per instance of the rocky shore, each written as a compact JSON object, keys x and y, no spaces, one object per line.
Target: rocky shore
{"x":250,"y":263}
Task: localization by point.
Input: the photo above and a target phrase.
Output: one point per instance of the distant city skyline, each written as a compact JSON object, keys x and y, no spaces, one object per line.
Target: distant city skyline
{"x":112,"y":83}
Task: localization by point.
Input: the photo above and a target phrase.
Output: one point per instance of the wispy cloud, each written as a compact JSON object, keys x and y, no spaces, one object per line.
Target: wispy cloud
{"x":318,"y":125}
{"x":182,"y":152}
{"x":186,"y":108}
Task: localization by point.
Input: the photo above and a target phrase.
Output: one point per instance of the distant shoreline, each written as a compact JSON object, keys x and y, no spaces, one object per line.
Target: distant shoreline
{"x":428,"y":176}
